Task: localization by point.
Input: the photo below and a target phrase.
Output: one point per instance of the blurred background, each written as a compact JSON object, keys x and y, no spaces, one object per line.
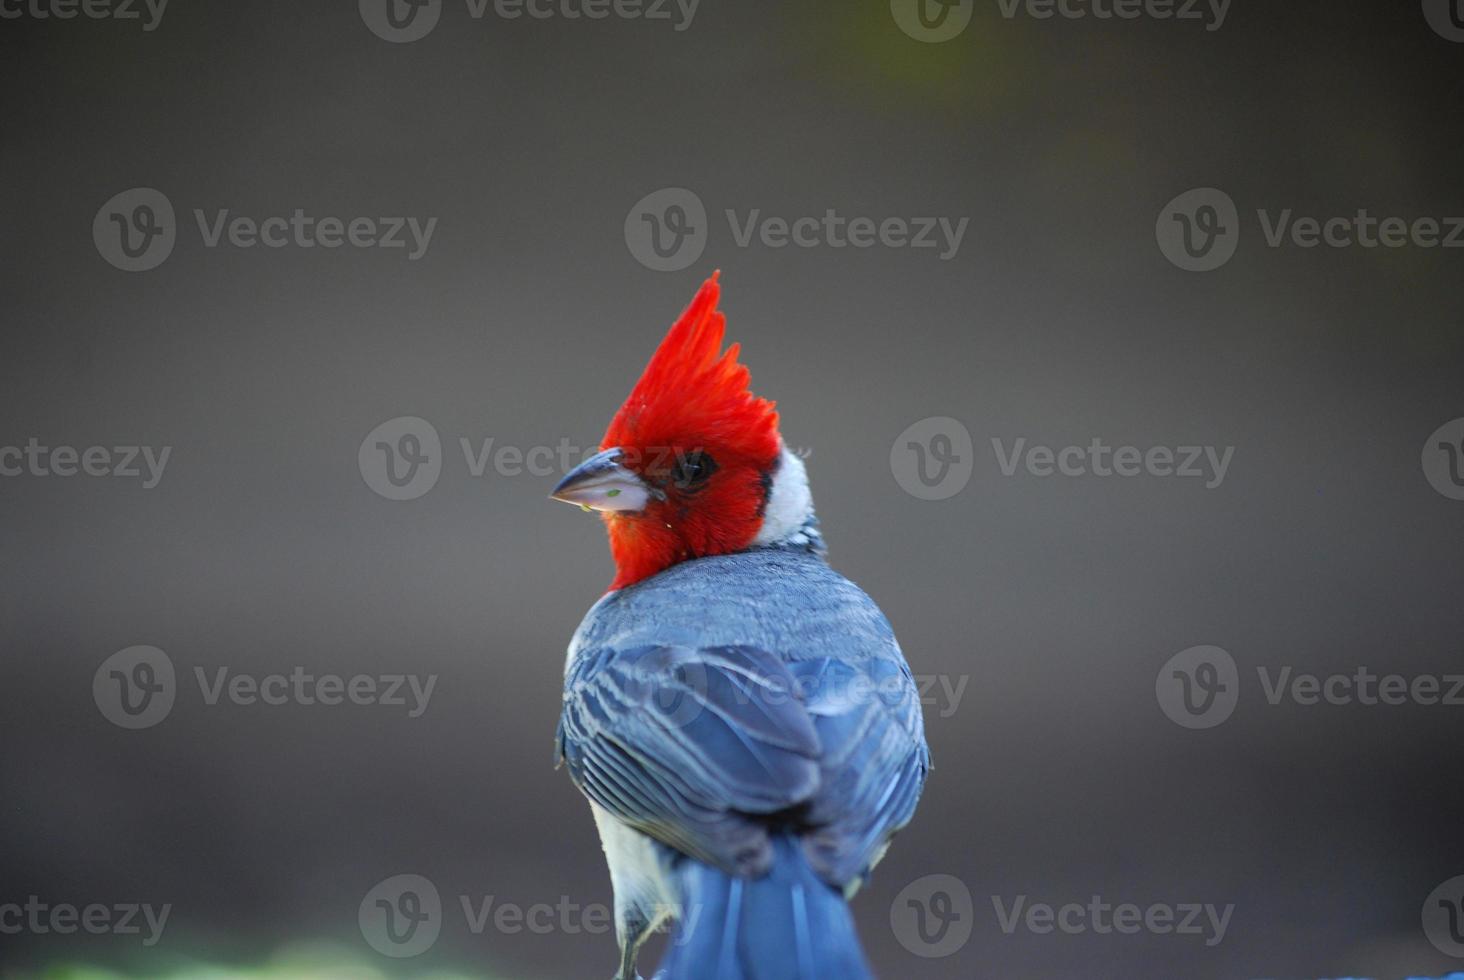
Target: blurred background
{"x":269,"y":540}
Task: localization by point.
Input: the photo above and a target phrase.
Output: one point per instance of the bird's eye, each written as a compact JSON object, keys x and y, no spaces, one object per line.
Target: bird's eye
{"x":691,"y":470}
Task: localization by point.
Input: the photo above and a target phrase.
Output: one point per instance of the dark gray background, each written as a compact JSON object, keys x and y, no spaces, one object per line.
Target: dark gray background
{"x":528,"y":320}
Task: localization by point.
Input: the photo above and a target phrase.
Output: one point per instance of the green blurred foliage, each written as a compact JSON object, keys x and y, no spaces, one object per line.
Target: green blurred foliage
{"x":322,"y":962}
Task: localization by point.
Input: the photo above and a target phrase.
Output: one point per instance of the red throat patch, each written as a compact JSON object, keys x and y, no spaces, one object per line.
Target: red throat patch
{"x":693,"y":398}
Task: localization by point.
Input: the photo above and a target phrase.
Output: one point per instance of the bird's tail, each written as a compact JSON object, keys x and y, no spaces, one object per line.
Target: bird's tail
{"x":786,"y":925}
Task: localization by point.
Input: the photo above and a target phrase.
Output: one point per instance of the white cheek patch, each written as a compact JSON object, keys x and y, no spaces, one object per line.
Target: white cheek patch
{"x":790,"y":503}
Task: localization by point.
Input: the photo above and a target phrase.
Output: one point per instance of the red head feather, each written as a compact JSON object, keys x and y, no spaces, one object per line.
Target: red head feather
{"x":693,"y":398}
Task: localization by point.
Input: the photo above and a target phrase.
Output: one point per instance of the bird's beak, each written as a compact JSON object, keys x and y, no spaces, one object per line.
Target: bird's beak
{"x":601,"y":483}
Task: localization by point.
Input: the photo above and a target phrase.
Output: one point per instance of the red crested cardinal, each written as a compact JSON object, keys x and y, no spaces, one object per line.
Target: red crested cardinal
{"x":738,"y":714}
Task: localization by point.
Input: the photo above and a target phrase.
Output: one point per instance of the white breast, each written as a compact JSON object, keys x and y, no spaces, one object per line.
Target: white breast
{"x":638,"y":870}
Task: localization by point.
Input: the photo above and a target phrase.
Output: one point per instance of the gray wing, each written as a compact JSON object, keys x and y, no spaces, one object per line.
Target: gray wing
{"x":690,"y":745}
{"x":874,"y":763}
{"x":694,"y":745}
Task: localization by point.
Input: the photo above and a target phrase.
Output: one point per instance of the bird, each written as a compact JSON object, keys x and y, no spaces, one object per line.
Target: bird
{"x":739,"y":715}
